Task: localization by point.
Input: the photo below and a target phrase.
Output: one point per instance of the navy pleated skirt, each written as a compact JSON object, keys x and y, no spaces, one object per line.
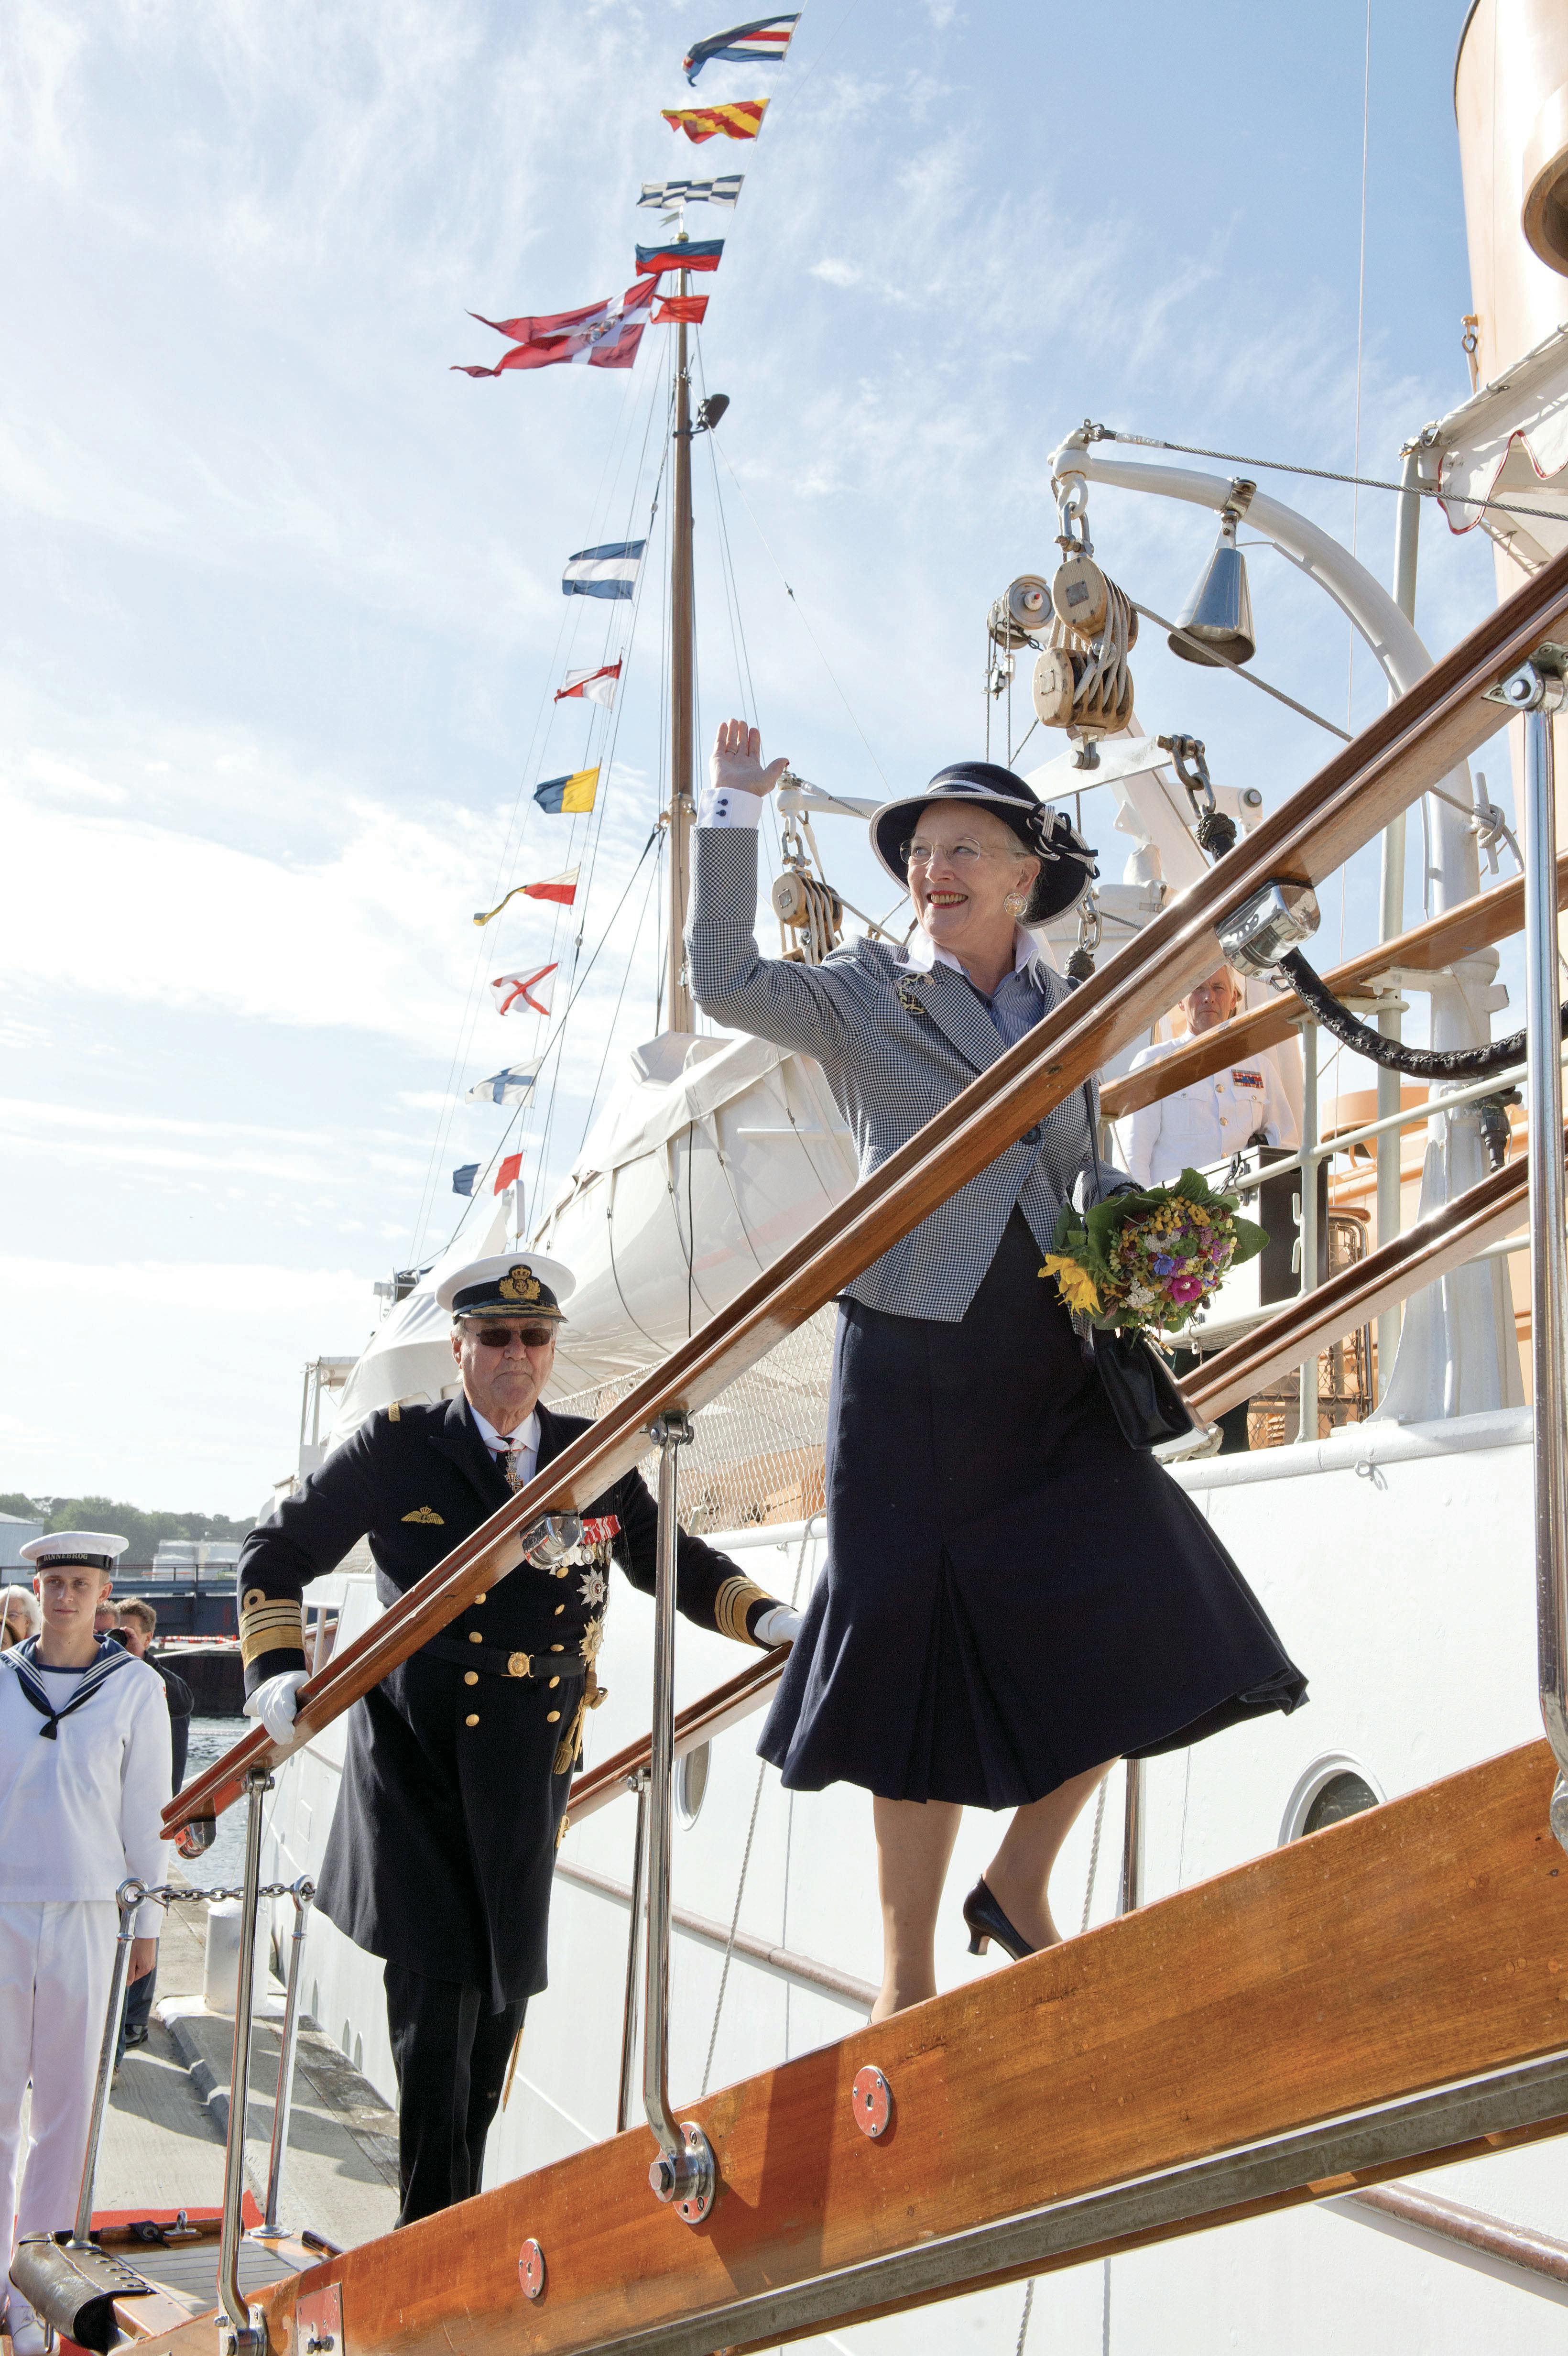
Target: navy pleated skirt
{"x":1012,"y":1594}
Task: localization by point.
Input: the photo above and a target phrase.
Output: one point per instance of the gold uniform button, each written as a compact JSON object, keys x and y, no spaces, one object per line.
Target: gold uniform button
{"x":558,"y":1648}
{"x":480,"y":1599}
{"x":475,"y":1638}
{"x":470,"y":1676}
{"x":555,"y":1681}
{"x":551,"y":1716}
{"x":559,"y":1610}
{"x":472,"y":1719}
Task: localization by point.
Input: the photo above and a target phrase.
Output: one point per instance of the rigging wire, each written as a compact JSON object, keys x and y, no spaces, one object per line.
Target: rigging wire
{"x":515,"y":837}
{"x":1213,"y":654}
{"x":747,"y":689}
{"x":1360,"y":344}
{"x":609,"y":1036}
{"x":609,"y":734}
{"x":810,"y":633}
{"x":1321,"y":475}
{"x":751,"y":1836}
{"x":560,"y":1033}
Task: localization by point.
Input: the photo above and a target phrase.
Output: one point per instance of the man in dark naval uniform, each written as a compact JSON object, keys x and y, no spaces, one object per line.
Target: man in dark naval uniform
{"x":442,"y":1846}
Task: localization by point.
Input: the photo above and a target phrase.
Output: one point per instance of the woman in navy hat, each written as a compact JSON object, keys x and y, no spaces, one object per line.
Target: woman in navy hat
{"x":1014,"y":1597}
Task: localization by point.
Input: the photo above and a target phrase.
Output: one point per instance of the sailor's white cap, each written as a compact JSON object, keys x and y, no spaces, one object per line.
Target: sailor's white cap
{"x":512,"y":1284}
{"x":93,"y":1549}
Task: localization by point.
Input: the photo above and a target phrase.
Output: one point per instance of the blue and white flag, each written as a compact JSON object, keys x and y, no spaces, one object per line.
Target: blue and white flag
{"x":509,"y":1086}
{"x":608,"y":572}
{"x":668,"y":196}
{"x":762,"y":42}
{"x":463,"y":1179}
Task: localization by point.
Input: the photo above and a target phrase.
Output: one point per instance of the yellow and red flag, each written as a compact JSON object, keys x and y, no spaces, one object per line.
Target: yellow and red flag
{"x":743,"y":120}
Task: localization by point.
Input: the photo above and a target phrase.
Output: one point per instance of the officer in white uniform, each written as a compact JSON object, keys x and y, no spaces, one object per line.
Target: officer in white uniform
{"x":1243,"y":1103}
{"x":84,"y":1773}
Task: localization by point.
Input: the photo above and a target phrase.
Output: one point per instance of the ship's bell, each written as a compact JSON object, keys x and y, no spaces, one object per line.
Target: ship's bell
{"x":1219,"y":610}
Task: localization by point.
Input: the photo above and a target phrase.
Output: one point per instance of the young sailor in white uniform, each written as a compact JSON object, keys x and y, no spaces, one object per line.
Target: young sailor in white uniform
{"x":84,"y":1771}
{"x":1214,"y":1117}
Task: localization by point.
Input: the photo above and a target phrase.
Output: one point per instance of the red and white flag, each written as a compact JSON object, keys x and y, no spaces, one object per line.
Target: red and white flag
{"x":508,"y":1174}
{"x":513,"y":991}
{"x":561,"y":888}
{"x":601,"y":335}
{"x":598,"y":686}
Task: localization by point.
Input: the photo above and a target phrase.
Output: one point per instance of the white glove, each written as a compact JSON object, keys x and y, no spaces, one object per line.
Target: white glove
{"x":274,"y":1703}
{"x":778,"y":1625}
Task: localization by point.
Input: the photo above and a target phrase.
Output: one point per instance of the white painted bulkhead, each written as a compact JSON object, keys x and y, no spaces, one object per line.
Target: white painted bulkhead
{"x":1397,"y":1565}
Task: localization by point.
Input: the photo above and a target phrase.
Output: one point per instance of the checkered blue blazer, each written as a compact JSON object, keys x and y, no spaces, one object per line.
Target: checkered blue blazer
{"x":891,"y":1069}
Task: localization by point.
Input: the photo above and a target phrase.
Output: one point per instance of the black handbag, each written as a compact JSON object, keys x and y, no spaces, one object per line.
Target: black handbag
{"x":1134,"y":1374}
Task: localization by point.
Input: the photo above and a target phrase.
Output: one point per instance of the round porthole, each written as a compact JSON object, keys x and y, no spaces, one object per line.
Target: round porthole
{"x":1331,"y":1790}
{"x":691,"y":1782}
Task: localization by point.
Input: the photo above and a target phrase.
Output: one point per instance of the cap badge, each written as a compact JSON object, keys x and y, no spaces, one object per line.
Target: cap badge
{"x":519,"y":1283}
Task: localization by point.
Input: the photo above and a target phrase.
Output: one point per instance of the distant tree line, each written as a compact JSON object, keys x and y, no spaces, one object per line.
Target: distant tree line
{"x":143,"y":1530}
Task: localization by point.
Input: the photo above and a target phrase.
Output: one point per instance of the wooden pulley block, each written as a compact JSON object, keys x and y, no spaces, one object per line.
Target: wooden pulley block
{"x":1028,"y":602}
{"x":1053,"y":687}
{"x":1078,"y":594}
{"x":791,"y":905}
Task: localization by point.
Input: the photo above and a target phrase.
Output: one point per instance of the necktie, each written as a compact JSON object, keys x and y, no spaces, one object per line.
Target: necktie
{"x":510,"y":1455}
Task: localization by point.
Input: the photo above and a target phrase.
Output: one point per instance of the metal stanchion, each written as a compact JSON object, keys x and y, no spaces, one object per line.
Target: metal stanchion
{"x":128,"y":1897}
{"x":303,"y":1892}
{"x":243,"y":2334}
{"x":636,"y":1781}
{"x":1537,"y":691}
{"x":683,"y":2171}
{"x":1131,"y":1896}
{"x":1306,"y":1412}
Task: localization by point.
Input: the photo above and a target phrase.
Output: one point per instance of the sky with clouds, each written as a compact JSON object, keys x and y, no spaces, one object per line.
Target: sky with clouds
{"x":281,"y":616}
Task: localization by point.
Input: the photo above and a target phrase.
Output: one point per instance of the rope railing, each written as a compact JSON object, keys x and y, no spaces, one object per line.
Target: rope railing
{"x":1407,"y":749}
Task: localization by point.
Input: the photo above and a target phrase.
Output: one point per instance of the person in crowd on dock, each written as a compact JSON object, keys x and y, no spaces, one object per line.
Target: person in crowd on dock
{"x":136,"y":1625}
{"x":453,"y":1801}
{"x":1242,"y":1104}
{"x":1014,"y":1597}
{"x":1197,"y":1128}
{"x":84,"y":1772}
{"x":137,"y":1622}
{"x":21,"y":1616}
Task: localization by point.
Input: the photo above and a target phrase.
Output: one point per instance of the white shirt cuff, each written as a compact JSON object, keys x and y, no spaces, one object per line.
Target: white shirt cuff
{"x":727,"y":806}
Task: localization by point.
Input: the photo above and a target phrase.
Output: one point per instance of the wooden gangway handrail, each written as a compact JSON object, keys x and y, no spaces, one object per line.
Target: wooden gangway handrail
{"x":1406,"y":749}
{"x":1474,"y":923}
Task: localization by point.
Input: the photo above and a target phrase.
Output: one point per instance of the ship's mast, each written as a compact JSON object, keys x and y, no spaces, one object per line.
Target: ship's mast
{"x":679,"y":1013}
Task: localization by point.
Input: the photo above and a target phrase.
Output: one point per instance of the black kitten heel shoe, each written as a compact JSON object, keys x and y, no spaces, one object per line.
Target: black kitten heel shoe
{"x":986,"y":1922}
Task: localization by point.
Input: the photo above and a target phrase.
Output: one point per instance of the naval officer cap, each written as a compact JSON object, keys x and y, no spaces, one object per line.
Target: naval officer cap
{"x":1066,"y":862}
{"x":88,"y":1549}
{"x":509,"y":1285}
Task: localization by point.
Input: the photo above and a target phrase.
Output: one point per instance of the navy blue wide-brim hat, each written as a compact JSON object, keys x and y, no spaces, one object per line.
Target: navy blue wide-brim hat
{"x":1067,"y":864}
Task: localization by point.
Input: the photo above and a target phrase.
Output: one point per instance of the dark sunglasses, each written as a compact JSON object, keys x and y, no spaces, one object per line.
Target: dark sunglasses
{"x":495,"y":1337}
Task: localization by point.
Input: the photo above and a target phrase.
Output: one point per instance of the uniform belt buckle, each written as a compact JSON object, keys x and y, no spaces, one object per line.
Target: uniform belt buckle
{"x":518,"y":1665}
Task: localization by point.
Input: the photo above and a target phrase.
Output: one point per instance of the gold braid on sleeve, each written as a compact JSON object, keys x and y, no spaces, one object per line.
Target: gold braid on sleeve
{"x":267,"y":1626}
{"x":730,"y":1605}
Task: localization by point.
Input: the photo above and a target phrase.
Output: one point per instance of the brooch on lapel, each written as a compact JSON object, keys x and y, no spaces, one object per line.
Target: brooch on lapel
{"x":904,"y":989}
{"x":426,"y":1514}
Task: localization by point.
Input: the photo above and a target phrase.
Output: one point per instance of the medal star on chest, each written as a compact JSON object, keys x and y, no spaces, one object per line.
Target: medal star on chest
{"x":592,"y":1585}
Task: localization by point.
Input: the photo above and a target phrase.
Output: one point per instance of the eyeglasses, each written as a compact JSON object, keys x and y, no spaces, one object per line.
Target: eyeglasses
{"x":962,"y":855}
{"x":495,"y":1337}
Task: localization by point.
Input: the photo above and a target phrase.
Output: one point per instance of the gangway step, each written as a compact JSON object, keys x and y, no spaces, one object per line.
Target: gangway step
{"x":1386,"y":1996}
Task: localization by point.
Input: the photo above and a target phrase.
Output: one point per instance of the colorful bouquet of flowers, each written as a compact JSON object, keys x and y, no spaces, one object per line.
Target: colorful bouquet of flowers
{"x":1150,"y":1257}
